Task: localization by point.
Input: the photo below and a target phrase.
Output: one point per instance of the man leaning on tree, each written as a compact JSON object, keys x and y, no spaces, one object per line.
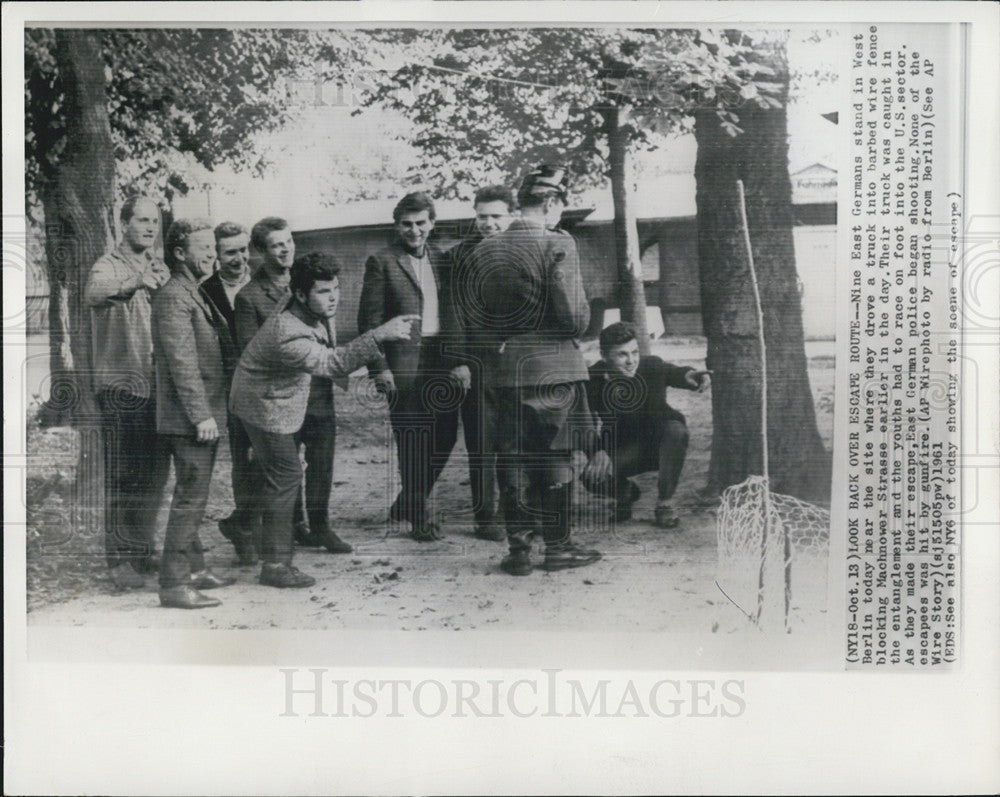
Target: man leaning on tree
{"x":135,"y":468}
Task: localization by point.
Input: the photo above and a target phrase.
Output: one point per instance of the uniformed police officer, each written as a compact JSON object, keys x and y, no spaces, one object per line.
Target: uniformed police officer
{"x":532,"y":297}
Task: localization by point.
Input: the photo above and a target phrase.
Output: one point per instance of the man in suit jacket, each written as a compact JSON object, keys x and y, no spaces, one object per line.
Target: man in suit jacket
{"x":533,"y":298}
{"x":191,"y":388}
{"x":270,"y":395}
{"x":232,"y":247}
{"x":268,"y":290}
{"x":480,"y":358}
{"x":411,"y":276}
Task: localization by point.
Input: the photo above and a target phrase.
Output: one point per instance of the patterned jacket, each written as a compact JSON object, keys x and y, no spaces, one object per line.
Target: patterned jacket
{"x":190,"y":343}
{"x":271,"y":385}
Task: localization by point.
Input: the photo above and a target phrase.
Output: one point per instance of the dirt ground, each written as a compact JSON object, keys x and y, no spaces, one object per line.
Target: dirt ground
{"x":648,"y":580}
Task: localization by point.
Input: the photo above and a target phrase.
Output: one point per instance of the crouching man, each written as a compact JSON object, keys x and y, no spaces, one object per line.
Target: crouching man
{"x":271,"y":390}
{"x":191,"y":348}
{"x":640,"y":432}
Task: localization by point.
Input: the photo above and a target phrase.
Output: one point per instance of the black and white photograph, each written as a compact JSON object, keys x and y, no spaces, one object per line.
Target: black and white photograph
{"x":560,"y":429}
{"x":487,"y":362}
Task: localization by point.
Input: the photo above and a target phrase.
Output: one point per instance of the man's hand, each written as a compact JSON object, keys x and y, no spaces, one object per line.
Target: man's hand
{"x":155,"y":277}
{"x":598,"y":470}
{"x":207,"y":431}
{"x":702,"y":380}
{"x":462,"y":375}
{"x":385,"y":384}
{"x":398,"y":328}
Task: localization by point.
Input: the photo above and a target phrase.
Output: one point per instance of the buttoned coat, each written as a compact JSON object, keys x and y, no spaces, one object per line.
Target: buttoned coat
{"x":189,"y":342}
{"x":271,"y":385}
{"x":391,"y":288}
{"x":532,"y":297}
{"x":257,"y":301}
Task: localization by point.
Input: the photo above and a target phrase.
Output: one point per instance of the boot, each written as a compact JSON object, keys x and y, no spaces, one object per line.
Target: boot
{"x":561,"y":552}
{"x":519,"y":531}
{"x":185,"y":597}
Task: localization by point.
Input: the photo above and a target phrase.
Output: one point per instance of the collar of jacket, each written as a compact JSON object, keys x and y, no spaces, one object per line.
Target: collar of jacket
{"x":273,"y":291}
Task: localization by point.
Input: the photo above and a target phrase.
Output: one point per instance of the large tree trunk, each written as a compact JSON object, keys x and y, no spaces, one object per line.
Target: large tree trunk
{"x":799,"y":464}
{"x":78,"y":200}
{"x":631,"y":291}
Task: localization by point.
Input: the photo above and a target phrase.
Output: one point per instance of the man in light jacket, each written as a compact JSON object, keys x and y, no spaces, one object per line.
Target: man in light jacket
{"x":270,"y":393}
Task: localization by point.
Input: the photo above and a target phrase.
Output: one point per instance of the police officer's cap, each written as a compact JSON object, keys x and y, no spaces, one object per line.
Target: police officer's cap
{"x":545,"y":180}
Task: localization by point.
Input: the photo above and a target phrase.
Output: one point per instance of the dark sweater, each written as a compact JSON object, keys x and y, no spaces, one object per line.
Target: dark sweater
{"x":635,"y":406}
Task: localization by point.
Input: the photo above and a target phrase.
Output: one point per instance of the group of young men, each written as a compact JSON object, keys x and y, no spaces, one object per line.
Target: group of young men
{"x":487,"y":332}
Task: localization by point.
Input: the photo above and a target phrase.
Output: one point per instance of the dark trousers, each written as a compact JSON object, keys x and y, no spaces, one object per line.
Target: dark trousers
{"x":136,"y":467}
{"x":663,"y":449}
{"x":424,"y":417}
{"x":248,"y":480}
{"x":479,"y":423}
{"x":278,"y":455}
{"x":183,"y":552}
{"x":246,"y":476}
{"x":537,"y":429}
{"x":319,"y":436}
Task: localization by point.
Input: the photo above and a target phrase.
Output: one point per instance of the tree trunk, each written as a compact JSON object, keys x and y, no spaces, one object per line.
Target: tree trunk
{"x":799,"y":464}
{"x":78,"y":200}
{"x":631,"y":291}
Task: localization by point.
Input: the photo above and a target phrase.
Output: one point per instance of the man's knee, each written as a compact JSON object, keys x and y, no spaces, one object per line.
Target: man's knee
{"x":676,"y":433}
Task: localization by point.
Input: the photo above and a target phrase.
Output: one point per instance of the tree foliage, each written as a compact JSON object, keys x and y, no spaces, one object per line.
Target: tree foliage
{"x":489,"y":103}
{"x":175,"y":96}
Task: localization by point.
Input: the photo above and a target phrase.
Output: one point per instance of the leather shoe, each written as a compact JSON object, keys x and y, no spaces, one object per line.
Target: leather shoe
{"x":334,"y":544}
{"x":302,"y":535}
{"x":517,"y":563}
{"x":569,"y":555}
{"x":242,"y":540}
{"x":206,"y":579}
{"x":185,"y":597}
{"x":125,"y":576}
{"x":284,"y":577}
{"x":427,"y":532}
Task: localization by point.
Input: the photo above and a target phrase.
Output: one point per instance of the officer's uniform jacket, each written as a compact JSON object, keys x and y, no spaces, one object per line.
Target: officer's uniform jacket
{"x":533,"y":299}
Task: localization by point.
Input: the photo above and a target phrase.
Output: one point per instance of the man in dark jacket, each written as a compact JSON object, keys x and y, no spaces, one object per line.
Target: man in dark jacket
{"x":480,"y":359}
{"x":532,"y":298}
{"x":640,"y":432}
{"x":412,"y":276}
{"x":232,"y":247}
{"x":191,"y":392}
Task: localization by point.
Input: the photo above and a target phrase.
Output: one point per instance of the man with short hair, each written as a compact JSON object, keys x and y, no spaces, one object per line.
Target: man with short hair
{"x":532,"y":297}
{"x":640,"y":431}
{"x":232,"y":248}
{"x":480,"y":355}
{"x":412,"y":276}
{"x":272,"y":237}
{"x":118,"y":292}
{"x":191,"y":342}
{"x":270,"y":394}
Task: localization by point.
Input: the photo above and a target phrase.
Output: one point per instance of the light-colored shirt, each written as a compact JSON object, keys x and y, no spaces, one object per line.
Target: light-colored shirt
{"x":118,"y":292}
{"x":430,"y":319}
{"x":232,"y":288}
